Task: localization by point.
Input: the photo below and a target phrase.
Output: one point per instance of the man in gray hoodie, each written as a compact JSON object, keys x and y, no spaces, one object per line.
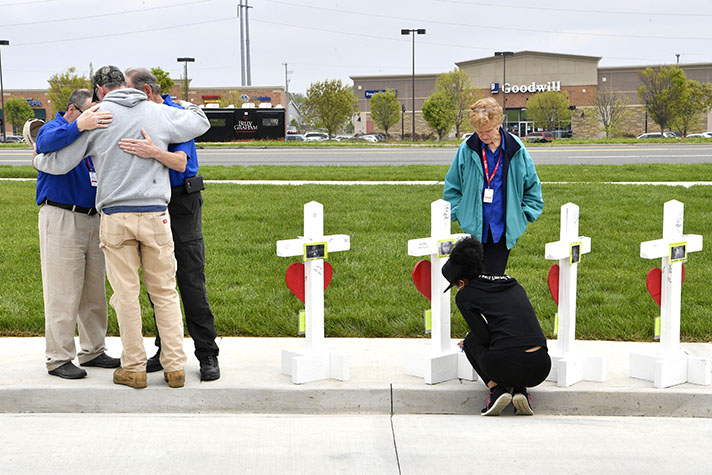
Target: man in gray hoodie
{"x":132,"y":197}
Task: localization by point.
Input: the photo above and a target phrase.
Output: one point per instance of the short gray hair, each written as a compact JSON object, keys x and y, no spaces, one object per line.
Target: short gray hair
{"x":141,"y":76}
{"x":78,"y":97}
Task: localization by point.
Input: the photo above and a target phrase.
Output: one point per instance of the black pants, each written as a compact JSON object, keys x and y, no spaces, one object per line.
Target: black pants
{"x":495,"y":255}
{"x":187,"y":227}
{"x":508,"y":367}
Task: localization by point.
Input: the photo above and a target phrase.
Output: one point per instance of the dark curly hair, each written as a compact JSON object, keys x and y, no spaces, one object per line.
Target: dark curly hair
{"x":467,"y":255}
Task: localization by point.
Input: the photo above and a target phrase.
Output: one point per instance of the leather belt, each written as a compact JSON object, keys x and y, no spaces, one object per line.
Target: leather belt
{"x":74,"y":208}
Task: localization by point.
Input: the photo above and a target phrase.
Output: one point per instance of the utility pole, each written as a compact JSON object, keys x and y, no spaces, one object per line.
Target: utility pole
{"x":242,"y":44}
{"x":247,"y":45}
{"x":286,"y":80}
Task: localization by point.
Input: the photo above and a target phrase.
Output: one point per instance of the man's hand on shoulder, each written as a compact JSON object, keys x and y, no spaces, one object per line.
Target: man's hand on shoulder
{"x":147,"y":149}
{"x":92,"y":119}
{"x":141,"y":148}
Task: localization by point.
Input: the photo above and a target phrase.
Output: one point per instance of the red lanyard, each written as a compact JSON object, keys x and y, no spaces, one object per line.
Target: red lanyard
{"x":87,"y":162}
{"x":484,"y":161}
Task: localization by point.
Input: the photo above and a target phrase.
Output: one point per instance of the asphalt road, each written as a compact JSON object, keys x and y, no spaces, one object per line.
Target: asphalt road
{"x":543,"y":155}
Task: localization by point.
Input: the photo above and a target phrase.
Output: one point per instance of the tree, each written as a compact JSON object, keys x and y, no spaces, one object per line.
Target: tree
{"x":437,"y":112}
{"x":62,"y":85}
{"x":611,"y":109}
{"x":385,"y":109}
{"x":662,"y":88}
{"x":459,"y":89}
{"x":18,"y":111}
{"x":232,"y":98}
{"x":695,"y":99}
{"x":549,"y":110}
{"x":329,"y":105}
{"x":163,"y":79}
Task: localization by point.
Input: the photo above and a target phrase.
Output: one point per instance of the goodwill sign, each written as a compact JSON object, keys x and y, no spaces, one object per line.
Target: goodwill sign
{"x":533,"y":87}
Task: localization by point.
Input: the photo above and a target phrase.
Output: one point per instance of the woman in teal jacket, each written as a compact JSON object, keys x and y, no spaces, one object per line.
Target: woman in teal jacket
{"x":493,"y":199}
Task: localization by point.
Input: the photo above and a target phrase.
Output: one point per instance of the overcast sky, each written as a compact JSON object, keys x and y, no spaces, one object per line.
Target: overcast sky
{"x":322,"y":39}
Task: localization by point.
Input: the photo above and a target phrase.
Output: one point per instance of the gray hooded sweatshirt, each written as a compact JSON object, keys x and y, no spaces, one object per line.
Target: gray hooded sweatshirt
{"x":125,"y":179}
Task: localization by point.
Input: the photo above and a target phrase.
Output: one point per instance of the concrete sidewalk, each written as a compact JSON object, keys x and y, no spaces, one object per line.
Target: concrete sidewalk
{"x":251,"y":382}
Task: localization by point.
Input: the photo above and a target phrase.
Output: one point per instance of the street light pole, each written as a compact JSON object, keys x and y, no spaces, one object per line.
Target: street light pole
{"x":504,"y":55}
{"x":185,"y":62}
{"x":402,"y":122}
{"x":413,"y":31}
{"x":2,"y":92}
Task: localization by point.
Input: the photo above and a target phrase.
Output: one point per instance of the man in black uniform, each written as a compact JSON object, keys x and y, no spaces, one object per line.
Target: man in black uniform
{"x":505,"y":345}
{"x":185,"y":209}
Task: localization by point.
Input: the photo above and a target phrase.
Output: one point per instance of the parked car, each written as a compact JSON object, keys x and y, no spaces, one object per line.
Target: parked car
{"x":316,"y":136}
{"x":369,"y":138}
{"x":657,"y":135}
{"x":535,"y":137}
{"x":295,"y":138}
{"x":13,"y":138}
{"x":703,"y":135}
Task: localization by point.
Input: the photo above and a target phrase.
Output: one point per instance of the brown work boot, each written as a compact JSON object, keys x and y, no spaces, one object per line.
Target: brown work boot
{"x":175,"y":379}
{"x":134,"y":379}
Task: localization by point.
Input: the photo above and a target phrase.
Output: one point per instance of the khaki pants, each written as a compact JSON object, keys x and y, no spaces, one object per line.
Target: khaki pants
{"x":73,"y":285}
{"x":130,"y":241}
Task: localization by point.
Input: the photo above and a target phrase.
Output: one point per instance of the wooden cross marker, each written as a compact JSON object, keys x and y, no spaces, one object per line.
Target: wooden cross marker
{"x":670,"y":365}
{"x":314,"y":362}
{"x":445,"y":361}
{"x":567,"y":367}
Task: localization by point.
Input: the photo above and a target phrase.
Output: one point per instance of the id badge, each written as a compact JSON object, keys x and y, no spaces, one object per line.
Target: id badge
{"x":489,"y":195}
{"x":92,"y":178}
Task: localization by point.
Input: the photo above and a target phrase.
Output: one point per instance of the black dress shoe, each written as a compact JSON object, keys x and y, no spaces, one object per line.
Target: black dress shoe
{"x":68,"y":371}
{"x":209,"y":368}
{"x":103,"y":361}
{"x":153,"y":364}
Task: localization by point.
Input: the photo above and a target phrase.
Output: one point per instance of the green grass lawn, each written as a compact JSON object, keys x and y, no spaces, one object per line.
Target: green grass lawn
{"x":547,"y":173}
{"x":371,"y":294}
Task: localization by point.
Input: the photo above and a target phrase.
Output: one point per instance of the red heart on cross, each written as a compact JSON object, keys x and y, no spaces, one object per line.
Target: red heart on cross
{"x":295,"y":278}
{"x":554,"y":282}
{"x":653,"y":282}
{"x":421,"y":278}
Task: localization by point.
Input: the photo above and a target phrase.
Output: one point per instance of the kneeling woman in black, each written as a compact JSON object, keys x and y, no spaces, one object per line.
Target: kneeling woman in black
{"x":505,"y":345}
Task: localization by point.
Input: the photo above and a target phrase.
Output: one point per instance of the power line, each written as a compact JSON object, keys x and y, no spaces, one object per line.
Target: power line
{"x":87,"y":17}
{"x":109,"y":35}
{"x":577,"y":11}
{"x":486,"y":26}
{"x":24,"y":3}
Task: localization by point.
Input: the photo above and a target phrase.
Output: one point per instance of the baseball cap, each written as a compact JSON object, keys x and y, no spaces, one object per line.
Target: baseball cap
{"x":451,"y":271}
{"x":106,"y":75}
{"x":31,"y":129}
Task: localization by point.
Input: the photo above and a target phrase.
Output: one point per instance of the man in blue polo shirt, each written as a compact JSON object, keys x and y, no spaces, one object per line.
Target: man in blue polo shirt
{"x":72,"y":262}
{"x":185,"y":209}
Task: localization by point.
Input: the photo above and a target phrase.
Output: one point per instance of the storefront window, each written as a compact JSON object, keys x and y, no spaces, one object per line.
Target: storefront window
{"x":512,"y":115}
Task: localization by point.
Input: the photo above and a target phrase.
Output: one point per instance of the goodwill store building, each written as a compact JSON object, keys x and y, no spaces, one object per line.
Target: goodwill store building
{"x":522,"y":75}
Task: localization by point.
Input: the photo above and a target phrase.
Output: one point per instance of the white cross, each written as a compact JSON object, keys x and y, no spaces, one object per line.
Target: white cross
{"x":445,"y":360}
{"x":671,"y":365}
{"x":568,"y":368}
{"x":314,"y":362}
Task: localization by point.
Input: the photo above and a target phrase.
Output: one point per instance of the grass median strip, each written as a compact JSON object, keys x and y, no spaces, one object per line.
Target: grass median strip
{"x":371,"y":294}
